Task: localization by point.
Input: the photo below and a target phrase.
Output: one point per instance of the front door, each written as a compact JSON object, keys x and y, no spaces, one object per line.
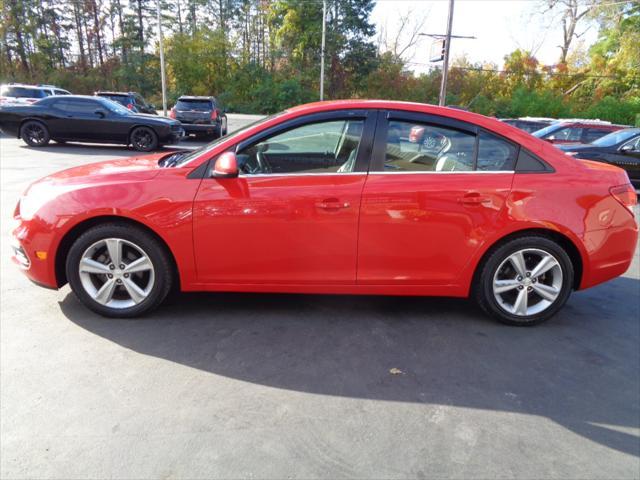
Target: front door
{"x":436,"y":188}
{"x":291,"y":217}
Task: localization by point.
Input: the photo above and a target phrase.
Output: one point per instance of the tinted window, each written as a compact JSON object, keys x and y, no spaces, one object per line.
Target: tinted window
{"x":591,"y":134}
{"x":616,"y":137}
{"x":122,"y":99}
{"x":528,"y":163}
{"x":77,"y":106}
{"x":419,"y":147}
{"x":61,"y":92}
{"x":495,"y":154}
{"x":572,"y":134}
{"x":23,"y":92}
{"x":325,"y":147}
{"x":200,"y":105}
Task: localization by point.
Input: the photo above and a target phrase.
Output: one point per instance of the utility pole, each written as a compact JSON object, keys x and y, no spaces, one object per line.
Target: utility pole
{"x":324,"y":27}
{"x":445,"y":63}
{"x":163,"y":76}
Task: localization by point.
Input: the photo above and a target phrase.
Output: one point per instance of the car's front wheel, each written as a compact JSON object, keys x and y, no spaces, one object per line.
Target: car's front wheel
{"x":144,"y":139}
{"x":35,"y":134}
{"x":119,"y":270}
{"x":525,"y":281}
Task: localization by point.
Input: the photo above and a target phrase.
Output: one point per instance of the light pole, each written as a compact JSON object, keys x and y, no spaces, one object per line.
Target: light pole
{"x":445,"y":63}
{"x":163,"y":76}
{"x":324,"y":23}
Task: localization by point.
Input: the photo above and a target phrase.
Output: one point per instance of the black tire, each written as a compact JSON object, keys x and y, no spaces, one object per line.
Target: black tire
{"x":483,"y":291}
{"x":155,"y":251}
{"x":144,"y":139}
{"x":35,"y":134}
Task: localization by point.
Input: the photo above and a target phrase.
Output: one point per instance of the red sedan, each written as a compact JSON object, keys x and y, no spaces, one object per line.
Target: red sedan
{"x":333,"y":197}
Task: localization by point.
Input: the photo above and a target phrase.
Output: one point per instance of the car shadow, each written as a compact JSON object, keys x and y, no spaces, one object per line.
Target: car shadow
{"x":579,"y":370}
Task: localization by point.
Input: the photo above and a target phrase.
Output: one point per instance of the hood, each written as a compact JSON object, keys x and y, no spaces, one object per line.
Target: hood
{"x":126,"y":169}
{"x":577,"y":147}
{"x":158,"y":118}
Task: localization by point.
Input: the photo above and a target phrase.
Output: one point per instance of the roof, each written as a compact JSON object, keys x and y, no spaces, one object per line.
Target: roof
{"x":196,"y":97}
{"x":100,"y":92}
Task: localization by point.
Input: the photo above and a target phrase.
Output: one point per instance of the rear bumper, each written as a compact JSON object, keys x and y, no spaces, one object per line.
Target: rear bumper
{"x":208,"y":129}
{"x":610,"y":253}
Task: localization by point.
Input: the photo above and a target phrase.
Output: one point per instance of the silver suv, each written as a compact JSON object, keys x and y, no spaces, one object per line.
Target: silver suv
{"x":19,"y":93}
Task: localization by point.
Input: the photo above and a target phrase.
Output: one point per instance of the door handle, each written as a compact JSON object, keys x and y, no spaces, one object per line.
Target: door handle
{"x":332,"y":204}
{"x":474,"y":198}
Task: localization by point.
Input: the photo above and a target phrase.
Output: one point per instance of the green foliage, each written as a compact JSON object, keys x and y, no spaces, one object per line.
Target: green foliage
{"x":262,"y":56}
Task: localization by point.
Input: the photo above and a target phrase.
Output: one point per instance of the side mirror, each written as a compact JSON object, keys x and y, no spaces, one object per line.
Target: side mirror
{"x":627,"y":148}
{"x":99,"y":112}
{"x":226,"y":166}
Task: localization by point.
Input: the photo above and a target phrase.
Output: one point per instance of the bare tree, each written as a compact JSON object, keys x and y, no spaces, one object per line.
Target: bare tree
{"x":407,"y":34}
{"x":571,"y":13}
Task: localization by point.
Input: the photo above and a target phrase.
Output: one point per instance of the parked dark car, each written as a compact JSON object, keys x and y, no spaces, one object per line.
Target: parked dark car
{"x":576,"y":131}
{"x":132,"y":100}
{"x":529,"y":124}
{"x":87,"y":119}
{"x":621,"y":148}
{"x":200,"y":116}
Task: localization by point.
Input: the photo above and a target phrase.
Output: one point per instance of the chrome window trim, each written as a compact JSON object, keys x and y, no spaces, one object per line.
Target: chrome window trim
{"x":465,"y":172}
{"x":319,"y":174}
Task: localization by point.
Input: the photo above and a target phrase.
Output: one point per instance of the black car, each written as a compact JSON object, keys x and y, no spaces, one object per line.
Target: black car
{"x":87,"y":119}
{"x":200,"y":116}
{"x":528,"y":124}
{"x":620,"y":148}
{"x":132,"y":100}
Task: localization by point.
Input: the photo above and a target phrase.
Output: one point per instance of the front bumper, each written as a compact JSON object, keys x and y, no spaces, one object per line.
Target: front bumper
{"x":31,"y":251}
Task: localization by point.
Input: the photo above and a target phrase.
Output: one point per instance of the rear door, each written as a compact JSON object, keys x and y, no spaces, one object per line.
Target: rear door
{"x":426,"y":207}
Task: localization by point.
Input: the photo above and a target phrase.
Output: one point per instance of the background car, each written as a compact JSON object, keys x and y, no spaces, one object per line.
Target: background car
{"x":324,"y":198}
{"x":200,"y":116}
{"x":87,"y":119}
{"x":620,"y":148}
{"x":529,"y":124}
{"x":20,"y":93}
{"x":132,"y":100}
{"x":579,"y":131}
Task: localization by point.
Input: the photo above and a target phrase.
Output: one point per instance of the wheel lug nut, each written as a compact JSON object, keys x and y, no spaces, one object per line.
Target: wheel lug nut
{"x":520,"y":287}
{"x":126,"y":275}
{"x":519,"y":278}
{"x":528,"y":274}
{"x":112,"y":266}
{"x":110,"y":275}
{"x":118,"y":281}
{"x":534,"y":280}
{"x":122,"y":266}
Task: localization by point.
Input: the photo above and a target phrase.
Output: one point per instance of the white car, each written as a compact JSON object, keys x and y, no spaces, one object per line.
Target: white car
{"x":17,"y":93}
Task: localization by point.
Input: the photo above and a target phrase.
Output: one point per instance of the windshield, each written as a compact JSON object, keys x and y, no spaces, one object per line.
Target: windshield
{"x":615,"y":138}
{"x":547,"y":130}
{"x":188,"y":156}
{"x":115,"y":107}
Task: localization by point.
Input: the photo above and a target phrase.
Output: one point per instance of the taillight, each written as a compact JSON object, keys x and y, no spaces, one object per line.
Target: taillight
{"x":214,"y":115}
{"x":626,"y":195}
{"x":130,"y":106}
{"x":172,"y":113}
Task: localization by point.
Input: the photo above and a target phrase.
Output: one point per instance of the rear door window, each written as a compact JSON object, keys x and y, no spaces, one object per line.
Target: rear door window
{"x":495,"y":154}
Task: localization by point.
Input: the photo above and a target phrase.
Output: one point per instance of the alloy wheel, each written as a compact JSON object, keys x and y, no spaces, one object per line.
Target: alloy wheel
{"x":35,"y":133}
{"x":527,"y":282}
{"x":116,"y":273}
{"x":142,"y":139}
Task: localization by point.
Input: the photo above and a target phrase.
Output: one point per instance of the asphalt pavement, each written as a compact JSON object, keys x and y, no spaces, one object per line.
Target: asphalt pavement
{"x":302,"y":386}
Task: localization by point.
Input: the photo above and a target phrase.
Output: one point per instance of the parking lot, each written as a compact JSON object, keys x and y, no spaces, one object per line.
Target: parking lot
{"x":301,"y":386}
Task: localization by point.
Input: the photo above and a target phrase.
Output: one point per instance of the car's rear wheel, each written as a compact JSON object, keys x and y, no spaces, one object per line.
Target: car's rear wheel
{"x":35,"y":134}
{"x":525,"y":281}
{"x":144,"y":139}
{"x":119,"y":270}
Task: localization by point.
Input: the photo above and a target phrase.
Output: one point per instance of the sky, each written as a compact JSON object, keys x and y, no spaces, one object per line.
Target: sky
{"x":500,"y":26}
